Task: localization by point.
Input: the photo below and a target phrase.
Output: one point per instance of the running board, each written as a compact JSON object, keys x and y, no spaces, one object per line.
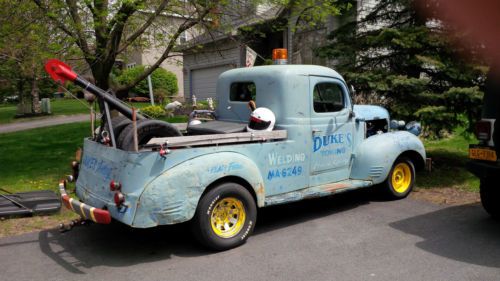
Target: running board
{"x":316,"y":191}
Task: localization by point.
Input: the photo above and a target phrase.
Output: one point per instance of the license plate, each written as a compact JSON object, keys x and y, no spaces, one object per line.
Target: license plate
{"x":482,"y":154}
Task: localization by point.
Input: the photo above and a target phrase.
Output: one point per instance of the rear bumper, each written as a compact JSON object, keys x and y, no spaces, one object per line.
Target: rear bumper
{"x":84,"y":210}
{"x":483,"y":170}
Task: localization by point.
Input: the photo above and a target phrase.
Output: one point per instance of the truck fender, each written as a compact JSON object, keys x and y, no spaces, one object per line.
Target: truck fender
{"x":173,"y":196}
{"x":374,"y":157}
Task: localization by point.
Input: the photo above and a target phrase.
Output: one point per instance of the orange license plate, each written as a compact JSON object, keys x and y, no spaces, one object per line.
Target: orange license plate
{"x":482,"y":154}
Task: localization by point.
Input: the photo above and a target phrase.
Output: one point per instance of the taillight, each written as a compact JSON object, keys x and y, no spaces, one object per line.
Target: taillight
{"x":119,"y":198}
{"x":483,"y":130}
{"x":114,"y":185}
{"x":76,"y":170}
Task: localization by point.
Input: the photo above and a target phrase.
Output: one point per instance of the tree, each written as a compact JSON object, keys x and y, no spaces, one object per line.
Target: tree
{"x":104,"y":29}
{"x":412,"y":61}
{"x":25,"y":42}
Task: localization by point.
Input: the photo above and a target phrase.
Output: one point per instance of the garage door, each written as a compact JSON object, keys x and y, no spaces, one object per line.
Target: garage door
{"x":204,"y":81}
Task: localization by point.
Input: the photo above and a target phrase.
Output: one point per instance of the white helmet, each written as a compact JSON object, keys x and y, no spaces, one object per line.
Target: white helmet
{"x":261,"y":119}
{"x":194,"y":122}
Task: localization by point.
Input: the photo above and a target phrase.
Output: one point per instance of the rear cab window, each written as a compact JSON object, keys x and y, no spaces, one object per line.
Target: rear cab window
{"x":242,"y":92}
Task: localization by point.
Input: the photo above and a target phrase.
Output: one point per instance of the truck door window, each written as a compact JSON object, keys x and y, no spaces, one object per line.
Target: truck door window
{"x":242,"y":91}
{"x":328,"y":97}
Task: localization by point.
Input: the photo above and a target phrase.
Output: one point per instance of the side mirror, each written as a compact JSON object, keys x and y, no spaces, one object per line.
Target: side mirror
{"x":352,"y":114}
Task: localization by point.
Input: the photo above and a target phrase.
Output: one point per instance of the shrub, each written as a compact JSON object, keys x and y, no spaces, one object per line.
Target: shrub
{"x":153,"y":111}
{"x":163,"y":80}
{"x":161,"y":96}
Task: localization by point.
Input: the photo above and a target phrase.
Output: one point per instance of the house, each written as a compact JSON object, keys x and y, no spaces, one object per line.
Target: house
{"x":206,"y":56}
{"x":148,"y":54}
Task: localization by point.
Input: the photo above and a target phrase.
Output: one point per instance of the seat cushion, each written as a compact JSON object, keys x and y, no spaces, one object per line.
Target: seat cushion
{"x":216,"y":127}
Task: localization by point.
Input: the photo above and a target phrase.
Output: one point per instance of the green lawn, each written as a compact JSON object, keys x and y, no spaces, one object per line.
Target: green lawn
{"x":449,"y":157}
{"x":59,"y":107}
{"x":38,"y":158}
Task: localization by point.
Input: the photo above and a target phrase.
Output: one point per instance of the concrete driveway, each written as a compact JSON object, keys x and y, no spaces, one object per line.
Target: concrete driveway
{"x":52,"y":121}
{"x":352,"y":236}
{"x":45,"y":122}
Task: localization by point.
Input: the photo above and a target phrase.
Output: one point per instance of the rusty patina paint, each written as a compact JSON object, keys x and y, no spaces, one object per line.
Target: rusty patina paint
{"x":336,"y":186}
{"x":260,"y":192}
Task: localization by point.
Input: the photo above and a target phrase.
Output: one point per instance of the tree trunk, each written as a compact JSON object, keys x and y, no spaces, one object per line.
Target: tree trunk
{"x":101,"y":74}
{"x":24,"y":107}
{"x":101,"y":77}
{"x":35,"y":97}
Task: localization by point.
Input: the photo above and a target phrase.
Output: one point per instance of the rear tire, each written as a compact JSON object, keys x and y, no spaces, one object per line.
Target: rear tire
{"x":490,"y":197}
{"x":146,"y":130}
{"x":401,"y":179}
{"x":225,"y":217}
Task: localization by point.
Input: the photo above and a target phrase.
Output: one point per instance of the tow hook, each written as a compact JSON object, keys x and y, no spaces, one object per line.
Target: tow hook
{"x":69,"y":226}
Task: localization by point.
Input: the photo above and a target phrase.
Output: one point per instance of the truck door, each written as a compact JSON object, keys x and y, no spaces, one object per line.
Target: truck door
{"x":332,"y":130}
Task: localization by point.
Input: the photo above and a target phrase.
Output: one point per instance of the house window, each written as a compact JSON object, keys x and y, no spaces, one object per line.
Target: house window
{"x":183,"y":37}
{"x":328,"y":97}
{"x":242,"y":91}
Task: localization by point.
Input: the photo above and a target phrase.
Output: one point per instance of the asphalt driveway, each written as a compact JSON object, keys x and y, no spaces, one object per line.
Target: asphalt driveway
{"x":353,"y":236}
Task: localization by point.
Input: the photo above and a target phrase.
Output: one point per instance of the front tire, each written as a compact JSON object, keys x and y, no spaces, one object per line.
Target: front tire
{"x":225,"y":217}
{"x":490,"y":197}
{"x":401,"y":179}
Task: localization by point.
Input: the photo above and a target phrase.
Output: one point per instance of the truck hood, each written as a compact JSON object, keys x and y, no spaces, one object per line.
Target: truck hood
{"x":370,"y":112}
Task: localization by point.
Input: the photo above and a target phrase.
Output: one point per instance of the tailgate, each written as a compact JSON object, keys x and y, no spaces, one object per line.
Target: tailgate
{"x":101,"y":164}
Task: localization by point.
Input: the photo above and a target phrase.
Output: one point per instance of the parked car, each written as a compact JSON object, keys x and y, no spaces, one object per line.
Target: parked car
{"x":484,"y":162}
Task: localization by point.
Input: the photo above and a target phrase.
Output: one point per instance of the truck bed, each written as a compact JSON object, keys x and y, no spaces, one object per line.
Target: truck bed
{"x":215,"y":139}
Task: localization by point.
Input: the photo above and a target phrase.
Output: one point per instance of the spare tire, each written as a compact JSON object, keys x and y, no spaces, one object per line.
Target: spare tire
{"x":146,"y":130}
{"x":119,"y":123}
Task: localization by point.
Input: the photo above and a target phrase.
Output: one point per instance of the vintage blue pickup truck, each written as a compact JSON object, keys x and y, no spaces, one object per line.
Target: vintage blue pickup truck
{"x":217,"y":174}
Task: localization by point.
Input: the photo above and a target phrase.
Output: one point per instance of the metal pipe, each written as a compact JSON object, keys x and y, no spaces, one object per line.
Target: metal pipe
{"x":110,"y":124}
{"x":134,"y":124}
{"x":111,"y":100}
{"x":150,"y":86}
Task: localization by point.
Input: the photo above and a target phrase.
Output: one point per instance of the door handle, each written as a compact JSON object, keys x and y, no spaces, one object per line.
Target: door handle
{"x":314,"y":131}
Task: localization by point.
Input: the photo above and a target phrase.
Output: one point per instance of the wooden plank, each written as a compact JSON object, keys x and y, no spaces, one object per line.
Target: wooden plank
{"x":259,"y":136}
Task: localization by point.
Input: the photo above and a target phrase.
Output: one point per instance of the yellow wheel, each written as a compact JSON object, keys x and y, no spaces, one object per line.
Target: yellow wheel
{"x":228,"y":217}
{"x":225,"y":217}
{"x":401,"y":178}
